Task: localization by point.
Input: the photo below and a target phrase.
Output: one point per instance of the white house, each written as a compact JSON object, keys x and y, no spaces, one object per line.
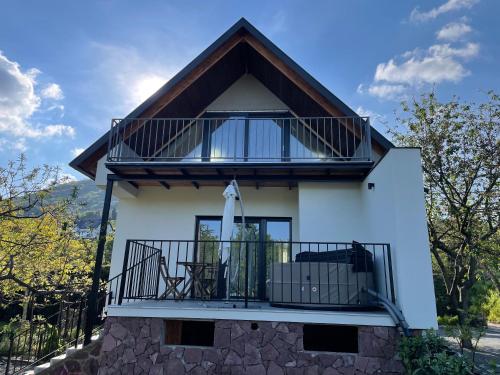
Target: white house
{"x":335,"y":258}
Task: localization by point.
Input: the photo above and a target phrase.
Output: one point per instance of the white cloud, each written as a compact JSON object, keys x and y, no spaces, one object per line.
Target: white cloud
{"x":57,"y":130}
{"x":468,"y":51}
{"x":77,"y":151}
{"x":278,"y":23}
{"x":363,"y":112}
{"x":387,"y":91}
{"x":453,"y":31}
{"x":59,"y":107}
{"x":19,"y":100}
{"x":451,"y":5}
{"x":52,"y":91}
{"x":17,"y":91}
{"x":18,"y":145}
{"x":413,"y":69}
{"x":439,"y":63}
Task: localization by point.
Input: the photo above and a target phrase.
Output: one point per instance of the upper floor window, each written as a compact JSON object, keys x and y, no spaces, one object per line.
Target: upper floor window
{"x":235,"y":137}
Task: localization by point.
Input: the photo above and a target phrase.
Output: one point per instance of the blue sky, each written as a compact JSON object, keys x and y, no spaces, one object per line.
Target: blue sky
{"x":68,"y":67}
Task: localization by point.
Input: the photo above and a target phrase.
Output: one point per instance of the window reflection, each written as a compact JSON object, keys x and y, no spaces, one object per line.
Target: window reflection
{"x":263,"y":250}
{"x":239,"y":139}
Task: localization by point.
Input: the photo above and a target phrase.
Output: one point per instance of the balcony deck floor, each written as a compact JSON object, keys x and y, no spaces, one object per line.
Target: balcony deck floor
{"x":235,"y":310}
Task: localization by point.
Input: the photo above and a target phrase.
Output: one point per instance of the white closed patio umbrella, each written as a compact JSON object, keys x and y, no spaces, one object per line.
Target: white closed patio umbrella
{"x":232,"y":191}
{"x":227,"y":222}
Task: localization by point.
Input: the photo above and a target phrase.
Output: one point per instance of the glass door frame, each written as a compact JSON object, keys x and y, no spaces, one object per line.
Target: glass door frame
{"x":206,"y":148}
{"x":261,"y":255}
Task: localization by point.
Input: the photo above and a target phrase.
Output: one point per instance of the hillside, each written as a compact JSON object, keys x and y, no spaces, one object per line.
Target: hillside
{"x":90,"y":199}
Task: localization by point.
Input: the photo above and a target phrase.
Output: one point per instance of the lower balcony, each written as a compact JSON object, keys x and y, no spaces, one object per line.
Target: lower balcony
{"x":263,"y":274}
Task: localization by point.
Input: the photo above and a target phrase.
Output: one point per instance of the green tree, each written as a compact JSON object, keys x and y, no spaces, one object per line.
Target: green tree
{"x":40,"y":252}
{"x":461,"y":164}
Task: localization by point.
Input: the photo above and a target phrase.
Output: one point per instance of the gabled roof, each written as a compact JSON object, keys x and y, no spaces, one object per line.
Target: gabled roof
{"x":239,"y":49}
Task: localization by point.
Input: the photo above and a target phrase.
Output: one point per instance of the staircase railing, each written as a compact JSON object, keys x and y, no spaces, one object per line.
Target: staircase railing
{"x":41,"y":338}
{"x":38,"y":340}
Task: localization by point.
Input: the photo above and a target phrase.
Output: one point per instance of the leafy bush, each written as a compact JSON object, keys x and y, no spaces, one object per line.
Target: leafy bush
{"x":492,"y":307}
{"x":428,"y":355}
{"x":41,"y":340}
{"x":448,"y":320}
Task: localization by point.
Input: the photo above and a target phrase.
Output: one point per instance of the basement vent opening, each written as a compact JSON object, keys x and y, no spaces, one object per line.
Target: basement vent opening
{"x":330,"y":338}
{"x":189,"y":332}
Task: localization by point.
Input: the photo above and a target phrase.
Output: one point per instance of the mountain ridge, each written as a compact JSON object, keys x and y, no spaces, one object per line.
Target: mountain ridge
{"x":89,"y":201}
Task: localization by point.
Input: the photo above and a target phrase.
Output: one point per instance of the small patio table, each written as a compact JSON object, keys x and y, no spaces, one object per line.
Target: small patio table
{"x":196,"y":280}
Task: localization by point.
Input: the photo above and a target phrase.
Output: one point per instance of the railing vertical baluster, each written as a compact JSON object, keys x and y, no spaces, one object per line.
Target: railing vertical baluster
{"x":356,"y":267}
{"x":347,"y":273}
{"x":10,"y":352}
{"x":338,"y":276}
{"x":319,"y":277}
{"x":246,"y":272}
{"x":124,"y":273}
{"x":79,"y":321}
{"x":157,"y":288}
{"x":328,"y":274}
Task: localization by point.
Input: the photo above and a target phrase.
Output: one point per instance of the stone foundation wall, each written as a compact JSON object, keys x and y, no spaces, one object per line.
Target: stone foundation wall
{"x":135,"y":346}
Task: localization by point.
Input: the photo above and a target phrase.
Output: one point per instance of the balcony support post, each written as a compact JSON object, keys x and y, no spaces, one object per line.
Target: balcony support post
{"x":92,"y":309}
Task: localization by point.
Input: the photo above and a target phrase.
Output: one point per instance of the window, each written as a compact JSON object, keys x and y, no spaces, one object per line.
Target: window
{"x":189,"y":332}
{"x":330,"y":338}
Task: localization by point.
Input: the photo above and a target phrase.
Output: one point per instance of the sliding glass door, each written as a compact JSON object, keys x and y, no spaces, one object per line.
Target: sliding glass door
{"x":268,"y":241}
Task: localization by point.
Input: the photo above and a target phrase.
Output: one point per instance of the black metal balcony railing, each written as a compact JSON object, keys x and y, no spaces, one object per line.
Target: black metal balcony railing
{"x":37,"y":339}
{"x":239,"y":140}
{"x":282,"y":273}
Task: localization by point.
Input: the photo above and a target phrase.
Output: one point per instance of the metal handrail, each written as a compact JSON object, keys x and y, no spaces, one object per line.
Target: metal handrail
{"x":233,"y":139}
{"x":42,"y":340}
{"x":369,"y":265}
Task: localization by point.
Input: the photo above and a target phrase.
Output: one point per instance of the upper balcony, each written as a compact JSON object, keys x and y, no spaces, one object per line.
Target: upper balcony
{"x":252,"y":147}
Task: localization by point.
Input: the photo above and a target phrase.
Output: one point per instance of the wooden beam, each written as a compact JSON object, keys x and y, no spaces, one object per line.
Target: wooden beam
{"x":162,"y":183}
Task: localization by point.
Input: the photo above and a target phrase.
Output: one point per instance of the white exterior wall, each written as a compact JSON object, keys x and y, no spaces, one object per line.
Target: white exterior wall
{"x":393,"y":212}
{"x":157,"y":213}
{"x":330,"y":212}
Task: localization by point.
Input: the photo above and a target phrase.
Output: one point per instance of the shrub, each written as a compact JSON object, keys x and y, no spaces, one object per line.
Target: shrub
{"x":448,"y":320}
{"x":428,"y":355}
{"x":492,"y":307}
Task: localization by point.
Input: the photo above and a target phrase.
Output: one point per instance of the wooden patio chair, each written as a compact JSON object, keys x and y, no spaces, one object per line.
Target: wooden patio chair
{"x":171,"y":283}
{"x":209,"y":281}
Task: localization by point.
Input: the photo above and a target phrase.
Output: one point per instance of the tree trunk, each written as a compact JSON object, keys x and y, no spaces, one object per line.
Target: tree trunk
{"x":26,"y":302}
{"x":464,"y":318}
